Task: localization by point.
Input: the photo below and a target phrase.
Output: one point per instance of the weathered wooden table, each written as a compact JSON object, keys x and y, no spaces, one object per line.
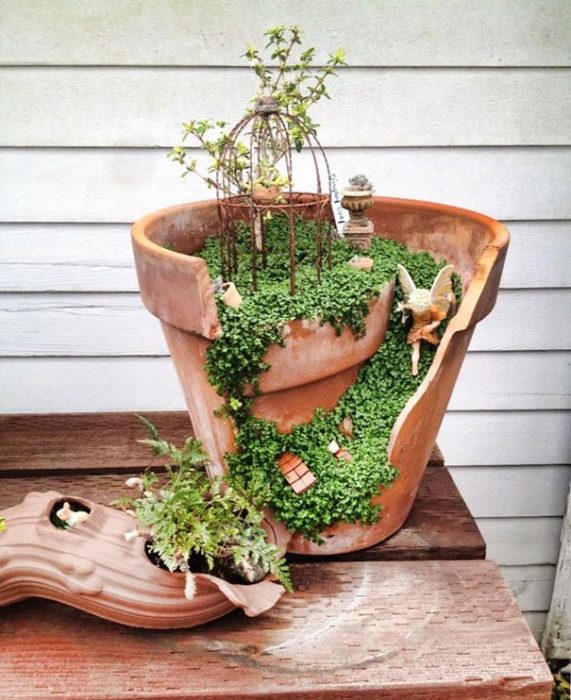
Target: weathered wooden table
{"x":421,"y":615}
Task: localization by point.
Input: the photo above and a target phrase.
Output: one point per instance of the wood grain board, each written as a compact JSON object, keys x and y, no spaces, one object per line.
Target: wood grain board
{"x":408,"y":608}
{"x":439,"y":630}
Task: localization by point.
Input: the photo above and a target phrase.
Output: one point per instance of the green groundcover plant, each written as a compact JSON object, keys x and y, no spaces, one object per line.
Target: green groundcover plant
{"x":235,"y":361}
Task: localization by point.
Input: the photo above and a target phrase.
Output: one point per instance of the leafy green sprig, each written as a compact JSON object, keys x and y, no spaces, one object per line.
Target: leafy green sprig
{"x":185,"y":513}
{"x":296,"y":84}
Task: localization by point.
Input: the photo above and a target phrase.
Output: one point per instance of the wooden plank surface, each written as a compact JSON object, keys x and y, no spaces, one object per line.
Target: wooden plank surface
{"x":91,"y":455}
{"x":83,"y":441}
{"x":207,"y":32}
{"x":72,"y":324}
{"x":111,"y":107}
{"x":439,"y":527}
{"x":120,"y":185}
{"x":99,"y":257}
{"x":437,"y":630}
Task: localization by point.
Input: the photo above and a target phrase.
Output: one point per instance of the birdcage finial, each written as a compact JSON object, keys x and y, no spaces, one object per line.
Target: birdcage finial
{"x":266,"y":104}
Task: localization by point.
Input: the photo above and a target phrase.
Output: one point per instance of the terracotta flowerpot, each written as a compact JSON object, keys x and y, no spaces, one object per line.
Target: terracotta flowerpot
{"x":93,"y":568}
{"x":325,"y":365}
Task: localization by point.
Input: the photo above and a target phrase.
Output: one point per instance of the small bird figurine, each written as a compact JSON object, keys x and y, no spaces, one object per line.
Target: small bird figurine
{"x":427,"y":307}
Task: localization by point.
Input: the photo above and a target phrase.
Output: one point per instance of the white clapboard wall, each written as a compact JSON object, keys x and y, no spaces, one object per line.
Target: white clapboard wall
{"x":449,"y":100}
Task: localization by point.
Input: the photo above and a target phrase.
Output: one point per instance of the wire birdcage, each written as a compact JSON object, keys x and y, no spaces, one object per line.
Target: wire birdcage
{"x":255,"y":179}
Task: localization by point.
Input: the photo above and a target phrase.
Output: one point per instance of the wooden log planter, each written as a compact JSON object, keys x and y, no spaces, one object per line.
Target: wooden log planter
{"x":314,"y":367}
{"x":93,"y":567}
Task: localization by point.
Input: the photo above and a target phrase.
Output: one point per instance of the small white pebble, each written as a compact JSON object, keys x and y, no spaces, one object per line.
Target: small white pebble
{"x":132,"y":535}
{"x":333,"y":447}
{"x":134,"y":482}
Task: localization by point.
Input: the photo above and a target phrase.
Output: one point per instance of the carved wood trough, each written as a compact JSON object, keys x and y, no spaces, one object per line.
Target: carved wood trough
{"x":93,"y":568}
{"x":176,"y":287}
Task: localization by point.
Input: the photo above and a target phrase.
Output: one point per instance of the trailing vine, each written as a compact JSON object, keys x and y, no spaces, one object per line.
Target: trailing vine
{"x":235,"y":362}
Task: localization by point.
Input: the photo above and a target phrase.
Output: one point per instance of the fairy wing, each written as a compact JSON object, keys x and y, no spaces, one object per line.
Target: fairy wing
{"x":441,"y":291}
{"x":406,"y":282}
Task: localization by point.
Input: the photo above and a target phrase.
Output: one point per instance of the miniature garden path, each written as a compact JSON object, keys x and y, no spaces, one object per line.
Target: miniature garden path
{"x":420,"y":615}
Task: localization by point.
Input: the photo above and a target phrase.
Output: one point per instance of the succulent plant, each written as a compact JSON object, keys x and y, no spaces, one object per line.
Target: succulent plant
{"x":360,"y":182}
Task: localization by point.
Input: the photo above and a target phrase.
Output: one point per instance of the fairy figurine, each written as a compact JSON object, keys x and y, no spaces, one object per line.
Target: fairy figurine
{"x":427,"y":307}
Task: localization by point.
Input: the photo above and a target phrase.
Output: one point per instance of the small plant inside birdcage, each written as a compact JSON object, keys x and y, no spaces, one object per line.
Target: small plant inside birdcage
{"x":256,"y":167}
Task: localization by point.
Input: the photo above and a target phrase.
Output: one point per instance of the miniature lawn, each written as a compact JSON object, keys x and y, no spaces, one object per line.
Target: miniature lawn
{"x":343,"y":490}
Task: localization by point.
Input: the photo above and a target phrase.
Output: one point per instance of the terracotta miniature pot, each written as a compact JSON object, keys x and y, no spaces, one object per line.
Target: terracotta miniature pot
{"x":266,"y":195}
{"x":315,"y":367}
{"x":231,"y":297}
{"x":93,"y":568}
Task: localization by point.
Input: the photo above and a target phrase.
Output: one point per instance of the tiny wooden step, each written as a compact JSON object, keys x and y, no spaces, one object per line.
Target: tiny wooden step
{"x":436,"y":630}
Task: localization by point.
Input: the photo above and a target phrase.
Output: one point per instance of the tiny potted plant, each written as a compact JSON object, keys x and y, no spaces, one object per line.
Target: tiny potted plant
{"x":194,"y":524}
{"x":293,"y":87}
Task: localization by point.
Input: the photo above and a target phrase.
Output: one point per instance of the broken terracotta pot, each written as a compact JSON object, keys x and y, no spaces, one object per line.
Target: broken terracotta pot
{"x":92,"y":567}
{"x":176,"y":287}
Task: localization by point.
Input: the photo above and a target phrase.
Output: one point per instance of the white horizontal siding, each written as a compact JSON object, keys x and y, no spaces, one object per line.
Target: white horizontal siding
{"x":532,"y":585}
{"x":522,"y":541}
{"x":216,"y":32}
{"x":118,"y":324}
{"x":99,"y":258}
{"x":536,"y":622}
{"x":514,"y":381}
{"x":119,"y":185}
{"x":533,"y":490}
{"x":146,"y":107}
{"x":487,"y":438}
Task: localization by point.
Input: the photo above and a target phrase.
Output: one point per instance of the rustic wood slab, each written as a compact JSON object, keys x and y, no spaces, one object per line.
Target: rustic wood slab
{"x":90,"y":441}
{"x":438,"y":630}
{"x":439,"y":526}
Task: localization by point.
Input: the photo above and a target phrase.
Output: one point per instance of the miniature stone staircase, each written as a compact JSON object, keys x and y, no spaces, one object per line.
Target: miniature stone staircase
{"x":419,"y":616}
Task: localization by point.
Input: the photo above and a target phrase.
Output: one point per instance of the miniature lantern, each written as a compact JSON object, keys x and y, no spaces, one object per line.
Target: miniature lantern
{"x":256,"y":179}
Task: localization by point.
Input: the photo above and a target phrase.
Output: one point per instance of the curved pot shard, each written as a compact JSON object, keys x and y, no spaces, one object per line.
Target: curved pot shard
{"x":95,"y":569}
{"x":475,"y":244}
